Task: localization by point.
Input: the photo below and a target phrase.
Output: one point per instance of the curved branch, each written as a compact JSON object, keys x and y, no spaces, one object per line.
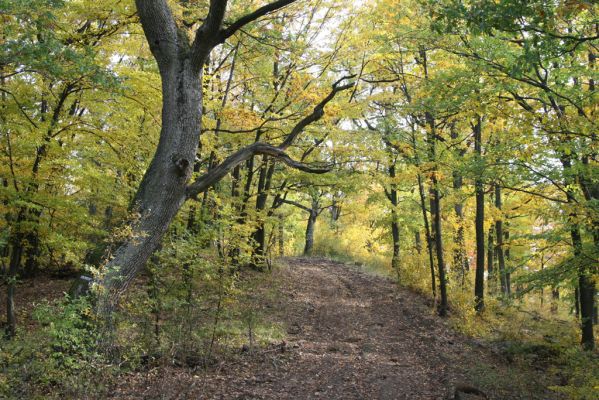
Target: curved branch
{"x":217,"y":173}
{"x":211,"y":33}
{"x":246,"y":19}
{"x":296,"y":204}
{"x":317,"y":113}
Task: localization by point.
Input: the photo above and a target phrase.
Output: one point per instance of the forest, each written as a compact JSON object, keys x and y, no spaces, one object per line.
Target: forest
{"x":299,"y":199}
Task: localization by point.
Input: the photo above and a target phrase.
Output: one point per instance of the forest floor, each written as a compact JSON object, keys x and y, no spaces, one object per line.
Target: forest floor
{"x":350,"y":335}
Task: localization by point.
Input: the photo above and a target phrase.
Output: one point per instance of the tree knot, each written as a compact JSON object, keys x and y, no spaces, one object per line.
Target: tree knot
{"x":182,"y":165}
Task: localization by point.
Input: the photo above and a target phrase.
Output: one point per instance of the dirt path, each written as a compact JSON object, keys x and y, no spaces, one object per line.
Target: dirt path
{"x":350,"y":336}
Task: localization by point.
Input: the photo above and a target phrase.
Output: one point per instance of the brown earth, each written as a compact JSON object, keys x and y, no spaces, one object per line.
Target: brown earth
{"x":351,"y":335}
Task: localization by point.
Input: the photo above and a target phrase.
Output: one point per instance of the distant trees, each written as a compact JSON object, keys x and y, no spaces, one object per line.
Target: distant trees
{"x":498,"y":95}
{"x":56,"y":87}
{"x":471,"y":126}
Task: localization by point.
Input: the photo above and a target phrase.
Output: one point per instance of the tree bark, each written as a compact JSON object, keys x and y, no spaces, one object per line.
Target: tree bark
{"x":460,"y":259}
{"x":429,"y":236}
{"x":479,"y":283}
{"x":491,"y":279}
{"x":309,"y":246}
{"x":281,"y":238}
{"x":585,"y":293}
{"x":505,"y":289}
{"x":395,"y":264}
{"x":435,"y":201}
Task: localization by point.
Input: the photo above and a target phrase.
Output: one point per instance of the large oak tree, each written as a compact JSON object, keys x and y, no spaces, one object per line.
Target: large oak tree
{"x":167,"y":184}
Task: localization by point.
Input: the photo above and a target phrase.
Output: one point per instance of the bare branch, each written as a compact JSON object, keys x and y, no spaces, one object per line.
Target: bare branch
{"x":296,"y":204}
{"x":317,"y":113}
{"x":246,"y":19}
{"x":217,"y":173}
{"x":211,"y":33}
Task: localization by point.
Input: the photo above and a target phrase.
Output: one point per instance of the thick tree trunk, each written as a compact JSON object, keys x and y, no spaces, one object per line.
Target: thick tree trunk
{"x":163,"y":189}
{"x":479,"y":282}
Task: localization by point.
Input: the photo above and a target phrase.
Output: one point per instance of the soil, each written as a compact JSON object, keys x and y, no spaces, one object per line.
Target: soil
{"x":350,"y":335}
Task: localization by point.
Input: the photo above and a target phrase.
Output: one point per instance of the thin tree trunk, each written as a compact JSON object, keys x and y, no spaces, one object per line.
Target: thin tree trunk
{"x":491,"y":273}
{"x":281,"y":238}
{"x":479,"y":282}
{"x":394,"y":221}
{"x":13,"y":269}
{"x":499,"y":235}
{"x":585,"y":293}
{"x":435,"y":197}
{"x":429,"y":237}
{"x":554,"y":300}
{"x":435,"y":201}
{"x":309,"y":246}
{"x":460,"y":260}
{"x":506,"y":252}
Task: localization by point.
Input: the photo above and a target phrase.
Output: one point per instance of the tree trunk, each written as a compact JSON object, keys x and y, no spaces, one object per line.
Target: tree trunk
{"x":435,"y":201}
{"x":554,"y":300}
{"x":281,"y":237}
{"x":310,"y":233}
{"x":479,"y":282}
{"x":259,"y":235}
{"x":506,"y":252}
{"x":491,"y":279}
{"x":436,"y":211}
{"x":417,"y":242}
{"x":505,"y":289}
{"x":460,"y":260}
{"x":13,"y":269}
{"x":435,"y":197}
{"x":585,"y":293}
{"x":429,"y":237}
{"x":394,"y":221}
{"x":396,"y":244}
{"x":163,"y":189}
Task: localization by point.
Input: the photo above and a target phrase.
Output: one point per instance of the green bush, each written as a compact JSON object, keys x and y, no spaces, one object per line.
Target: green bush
{"x":60,"y":359}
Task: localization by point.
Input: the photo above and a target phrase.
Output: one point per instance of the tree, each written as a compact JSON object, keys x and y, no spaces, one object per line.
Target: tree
{"x":479,"y":284}
{"x":164,"y":187}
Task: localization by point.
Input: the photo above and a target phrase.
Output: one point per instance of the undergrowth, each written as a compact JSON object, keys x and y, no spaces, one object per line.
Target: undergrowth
{"x":188,"y":310}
